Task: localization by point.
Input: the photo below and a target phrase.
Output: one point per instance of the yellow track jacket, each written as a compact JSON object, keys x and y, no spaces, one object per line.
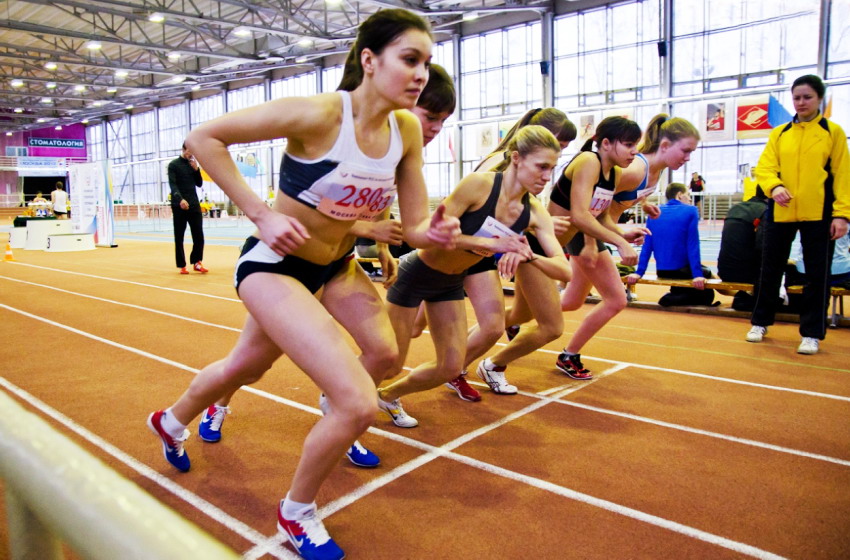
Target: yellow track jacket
{"x":810,"y":159}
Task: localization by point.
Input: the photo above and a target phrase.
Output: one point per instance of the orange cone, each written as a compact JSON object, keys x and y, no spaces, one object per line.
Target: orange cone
{"x":9,"y":256}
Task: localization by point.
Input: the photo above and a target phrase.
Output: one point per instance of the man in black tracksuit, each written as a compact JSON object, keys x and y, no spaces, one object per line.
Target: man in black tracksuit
{"x":184,"y":176}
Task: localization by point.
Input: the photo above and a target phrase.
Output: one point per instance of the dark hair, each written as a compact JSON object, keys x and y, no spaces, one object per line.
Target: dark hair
{"x":184,"y":145}
{"x":439,"y":93}
{"x":614,"y":129}
{"x":813,"y":82}
{"x":662,"y":126}
{"x":60,"y":185}
{"x":674,"y":189}
{"x":554,"y":120}
{"x":379,"y":30}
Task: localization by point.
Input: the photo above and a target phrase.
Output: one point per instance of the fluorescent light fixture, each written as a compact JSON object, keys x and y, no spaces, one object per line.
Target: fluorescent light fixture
{"x":333,"y":2}
{"x":97,"y":104}
{"x":51,"y":85}
{"x":41,"y":120}
{"x":178,"y":79}
{"x":93,"y":45}
{"x":111,"y":90}
{"x":50,"y":65}
{"x":79,"y":87}
{"x":301,"y":60}
{"x":16,"y":83}
{"x":305,"y":42}
{"x":128,"y":107}
{"x":18,"y":110}
{"x":58,"y":127}
{"x":8,"y":134}
{"x":470,"y":16}
{"x":156,"y":17}
{"x":173,"y":56}
{"x":46,"y":100}
{"x":121,"y":73}
{"x":196,"y":87}
{"x":84,"y":121}
{"x":242,"y":32}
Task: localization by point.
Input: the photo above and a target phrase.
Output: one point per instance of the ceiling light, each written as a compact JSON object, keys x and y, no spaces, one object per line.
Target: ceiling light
{"x":333,"y":2}
{"x":46,"y":100}
{"x":16,"y":83}
{"x":8,"y":134}
{"x":111,"y":90}
{"x":301,"y":60}
{"x":58,"y":127}
{"x":93,"y":45}
{"x":470,"y":16}
{"x":173,"y":56}
{"x":196,"y":87}
{"x":84,"y":121}
{"x":79,"y":87}
{"x":156,"y":17}
{"x":305,"y":43}
{"x":50,"y":65}
{"x":40,"y":120}
{"x":51,"y":85}
{"x":121,"y":73}
{"x":128,"y":107}
{"x":18,"y":110}
{"x":97,"y":104}
{"x":242,"y":32}
{"x":178,"y":79}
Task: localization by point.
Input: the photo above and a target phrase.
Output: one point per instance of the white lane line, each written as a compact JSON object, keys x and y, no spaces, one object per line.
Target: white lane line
{"x":131,"y":305}
{"x":445,"y":451}
{"x":205,"y":507}
{"x":542,"y":350}
{"x":154,"y":286}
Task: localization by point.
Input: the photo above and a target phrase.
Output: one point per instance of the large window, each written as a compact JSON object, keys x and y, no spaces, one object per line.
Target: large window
{"x":172,"y":130}
{"x":206,"y":108}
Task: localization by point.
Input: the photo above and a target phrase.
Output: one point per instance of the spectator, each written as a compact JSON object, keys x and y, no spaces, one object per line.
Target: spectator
{"x":59,"y":198}
{"x":805,"y":170}
{"x":740,"y":247}
{"x":184,"y":177}
{"x":674,"y":258}
{"x":697,"y":190}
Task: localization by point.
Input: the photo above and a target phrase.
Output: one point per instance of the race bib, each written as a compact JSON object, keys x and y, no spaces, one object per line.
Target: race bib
{"x":492,"y":228}
{"x":348,"y":193}
{"x":600,"y":201}
{"x":643,"y":193}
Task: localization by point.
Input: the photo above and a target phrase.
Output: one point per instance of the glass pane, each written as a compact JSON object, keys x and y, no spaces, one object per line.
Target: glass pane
{"x":594,"y":30}
{"x":566,"y":36}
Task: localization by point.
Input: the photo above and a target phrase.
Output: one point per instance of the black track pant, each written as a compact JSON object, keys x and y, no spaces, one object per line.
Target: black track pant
{"x":196,"y":224}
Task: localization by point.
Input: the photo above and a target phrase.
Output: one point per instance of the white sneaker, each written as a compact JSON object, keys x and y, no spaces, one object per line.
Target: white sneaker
{"x":808,"y":346}
{"x":756,"y":333}
{"x":494,"y":376}
{"x":396,"y":412}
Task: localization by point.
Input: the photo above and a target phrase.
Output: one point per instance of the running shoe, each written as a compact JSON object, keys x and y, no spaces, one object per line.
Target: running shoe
{"x":184,"y":270}
{"x":210,"y":426}
{"x":808,"y":346}
{"x":511,"y":332}
{"x":172,"y":447}
{"x":199,"y":267}
{"x":571,"y":365}
{"x":463,"y":389}
{"x":756,"y":333}
{"x":357,"y":454}
{"x":494,"y":376}
{"x":396,"y":412}
{"x":309,"y":537}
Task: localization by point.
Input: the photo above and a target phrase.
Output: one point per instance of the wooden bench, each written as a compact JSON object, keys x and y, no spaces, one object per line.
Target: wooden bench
{"x":836,"y":293}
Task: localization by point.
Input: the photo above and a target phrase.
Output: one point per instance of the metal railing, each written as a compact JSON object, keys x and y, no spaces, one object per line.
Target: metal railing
{"x":57,"y":492}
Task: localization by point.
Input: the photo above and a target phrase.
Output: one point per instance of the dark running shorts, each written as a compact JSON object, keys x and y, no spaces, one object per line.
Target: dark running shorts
{"x":256,"y":256}
{"x":418,"y":282}
{"x":576,"y":244}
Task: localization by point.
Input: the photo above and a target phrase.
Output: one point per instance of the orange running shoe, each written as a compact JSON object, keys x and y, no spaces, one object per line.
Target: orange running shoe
{"x":184,"y":270}
{"x":199,"y":267}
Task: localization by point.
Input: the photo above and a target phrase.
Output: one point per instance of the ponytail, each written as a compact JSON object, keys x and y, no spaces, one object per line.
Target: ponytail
{"x":662,"y":126}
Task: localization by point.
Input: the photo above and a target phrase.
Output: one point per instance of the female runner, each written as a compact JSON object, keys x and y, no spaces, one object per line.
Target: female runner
{"x":345,"y":153}
{"x":494,"y":209}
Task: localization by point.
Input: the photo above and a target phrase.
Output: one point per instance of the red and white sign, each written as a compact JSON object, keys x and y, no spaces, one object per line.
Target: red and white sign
{"x":752,"y":117}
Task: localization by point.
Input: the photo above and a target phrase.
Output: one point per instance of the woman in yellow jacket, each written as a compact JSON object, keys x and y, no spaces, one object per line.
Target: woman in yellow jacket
{"x":805,"y":169}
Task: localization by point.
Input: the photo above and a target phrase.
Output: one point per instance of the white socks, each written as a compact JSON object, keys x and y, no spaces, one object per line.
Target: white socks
{"x":171,"y":425}
{"x":294,"y":511}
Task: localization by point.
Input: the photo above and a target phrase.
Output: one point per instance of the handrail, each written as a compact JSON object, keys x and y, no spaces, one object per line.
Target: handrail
{"x":57,"y":490}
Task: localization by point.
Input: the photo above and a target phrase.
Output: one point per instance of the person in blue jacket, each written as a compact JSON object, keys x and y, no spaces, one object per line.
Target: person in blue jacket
{"x":675,"y":244}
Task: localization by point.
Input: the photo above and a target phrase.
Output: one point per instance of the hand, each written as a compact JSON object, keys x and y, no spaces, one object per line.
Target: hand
{"x":184,"y":205}
{"x":628,"y":256}
{"x":781,"y":195}
{"x":652,"y":210}
{"x":838,"y":229}
{"x":389,"y":266}
{"x":632,"y":279}
{"x":590,"y":252}
{"x":282,"y":233}
{"x":513,"y":244}
{"x":193,"y":162}
{"x":699,"y":283}
{"x":387,"y":231}
{"x":508,"y":264}
{"x":636,"y":234}
{"x":444,"y":229}
{"x":562,"y":224}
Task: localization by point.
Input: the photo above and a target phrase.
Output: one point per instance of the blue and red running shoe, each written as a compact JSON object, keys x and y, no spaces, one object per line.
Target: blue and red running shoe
{"x":172,"y":447}
{"x":309,"y":537}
